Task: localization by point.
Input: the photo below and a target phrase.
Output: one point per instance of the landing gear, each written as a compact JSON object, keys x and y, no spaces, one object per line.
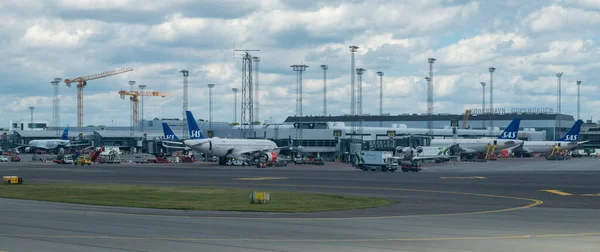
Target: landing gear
{"x":222,"y":161}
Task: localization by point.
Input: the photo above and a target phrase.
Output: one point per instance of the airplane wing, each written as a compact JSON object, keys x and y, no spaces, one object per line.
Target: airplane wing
{"x":582,"y":142}
{"x":77,"y":144}
{"x":432,"y":158}
{"x":253,"y":153}
{"x":174,"y":145}
{"x":466,"y":150}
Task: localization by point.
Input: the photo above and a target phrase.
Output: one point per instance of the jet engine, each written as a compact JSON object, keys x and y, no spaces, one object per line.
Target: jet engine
{"x":270,"y":157}
{"x":399,"y":150}
{"x":419,"y":149}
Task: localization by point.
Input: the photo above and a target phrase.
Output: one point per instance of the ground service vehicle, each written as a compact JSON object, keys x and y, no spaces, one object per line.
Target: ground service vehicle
{"x":377,"y":160}
{"x":414,"y":166}
{"x":237,"y":162}
{"x":140,"y":160}
{"x":3,"y":159}
{"x":63,"y":159}
{"x":318,"y":161}
{"x":282,"y":161}
{"x":15,"y":159}
{"x":83,"y":160}
{"x":160,"y":160}
{"x":109,"y":159}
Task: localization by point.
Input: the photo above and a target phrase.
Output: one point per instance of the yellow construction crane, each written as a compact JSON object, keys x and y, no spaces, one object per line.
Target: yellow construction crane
{"x":466,"y":118}
{"x":136,"y":100}
{"x":82,"y":82}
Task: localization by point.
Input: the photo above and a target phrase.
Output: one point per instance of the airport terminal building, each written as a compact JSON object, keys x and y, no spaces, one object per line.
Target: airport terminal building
{"x":326,"y":135}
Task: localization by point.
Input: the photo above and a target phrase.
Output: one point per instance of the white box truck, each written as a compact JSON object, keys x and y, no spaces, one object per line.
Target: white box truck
{"x":377,"y":160}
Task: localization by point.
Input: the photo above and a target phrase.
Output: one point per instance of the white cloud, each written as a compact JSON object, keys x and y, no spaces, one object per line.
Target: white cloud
{"x":527,"y":43}
{"x":556,"y":18}
{"x":477,"y":49}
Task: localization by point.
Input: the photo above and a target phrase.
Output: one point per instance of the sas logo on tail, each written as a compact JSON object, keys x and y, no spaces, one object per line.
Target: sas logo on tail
{"x":571,"y":137}
{"x":170,"y":137}
{"x":509,"y":135}
{"x":196,"y":133}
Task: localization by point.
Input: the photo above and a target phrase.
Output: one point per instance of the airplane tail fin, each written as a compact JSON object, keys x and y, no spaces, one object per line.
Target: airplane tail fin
{"x":169,"y":134}
{"x":195,"y":132}
{"x":65,"y":134}
{"x":573,"y":133}
{"x":512,"y":130}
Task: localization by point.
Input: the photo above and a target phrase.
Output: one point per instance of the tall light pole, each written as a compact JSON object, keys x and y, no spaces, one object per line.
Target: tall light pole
{"x":380,"y":96}
{"x":578,"y":99}
{"x":359,"y":73}
{"x":324,"y":67}
{"x":185,"y":101}
{"x":256,"y":95}
{"x":353,"y":50}
{"x":430,"y":97}
{"x":492,"y":70}
{"x":210,"y":108}
{"x":235,"y":90}
{"x":482,"y":103}
{"x":131,"y":104}
{"x":142,"y":87}
{"x":56,"y":105}
{"x":558,"y":102}
{"x":31,"y":122}
{"x":299,"y":69}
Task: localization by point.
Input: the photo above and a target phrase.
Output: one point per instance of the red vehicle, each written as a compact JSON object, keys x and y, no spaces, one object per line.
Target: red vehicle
{"x":159,"y":160}
{"x":15,"y":159}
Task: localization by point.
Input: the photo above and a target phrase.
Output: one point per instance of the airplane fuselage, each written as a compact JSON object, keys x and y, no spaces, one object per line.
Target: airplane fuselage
{"x":546,"y":146}
{"x":48,"y":144}
{"x":476,"y":145}
{"x":231,"y":147}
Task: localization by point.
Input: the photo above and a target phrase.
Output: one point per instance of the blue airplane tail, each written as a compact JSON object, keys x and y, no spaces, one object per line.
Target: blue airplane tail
{"x":65,"y":134}
{"x":573,"y":133}
{"x":195,"y":132}
{"x":511,"y":132}
{"x":169,"y":134}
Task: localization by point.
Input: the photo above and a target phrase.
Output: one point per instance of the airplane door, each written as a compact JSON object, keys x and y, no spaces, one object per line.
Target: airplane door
{"x":210,"y":146}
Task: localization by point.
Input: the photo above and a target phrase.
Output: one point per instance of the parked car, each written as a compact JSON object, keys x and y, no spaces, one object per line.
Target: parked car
{"x":83,"y":160}
{"x":3,"y":159}
{"x":15,"y":159}
{"x":68,"y":159}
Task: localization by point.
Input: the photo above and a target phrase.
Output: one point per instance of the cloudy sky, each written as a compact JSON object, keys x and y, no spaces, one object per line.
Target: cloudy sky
{"x":527,"y":41}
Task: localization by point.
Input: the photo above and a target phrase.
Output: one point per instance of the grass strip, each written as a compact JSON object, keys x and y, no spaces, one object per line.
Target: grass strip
{"x":187,"y":198}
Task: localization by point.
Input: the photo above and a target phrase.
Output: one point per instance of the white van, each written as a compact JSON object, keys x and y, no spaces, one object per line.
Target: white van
{"x":237,"y":162}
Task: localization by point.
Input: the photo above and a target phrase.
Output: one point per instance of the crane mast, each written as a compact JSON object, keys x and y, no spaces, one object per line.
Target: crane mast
{"x":82,"y":82}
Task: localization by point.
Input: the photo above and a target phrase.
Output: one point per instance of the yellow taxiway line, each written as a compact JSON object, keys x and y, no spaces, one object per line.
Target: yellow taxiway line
{"x":556,"y":192}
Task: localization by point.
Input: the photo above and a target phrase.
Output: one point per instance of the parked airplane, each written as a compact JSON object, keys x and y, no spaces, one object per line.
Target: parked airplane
{"x":506,"y":140}
{"x":51,"y":144}
{"x":227,"y":148}
{"x":172,"y":139}
{"x":169,"y":134}
{"x":569,"y":141}
{"x":422,"y":153}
